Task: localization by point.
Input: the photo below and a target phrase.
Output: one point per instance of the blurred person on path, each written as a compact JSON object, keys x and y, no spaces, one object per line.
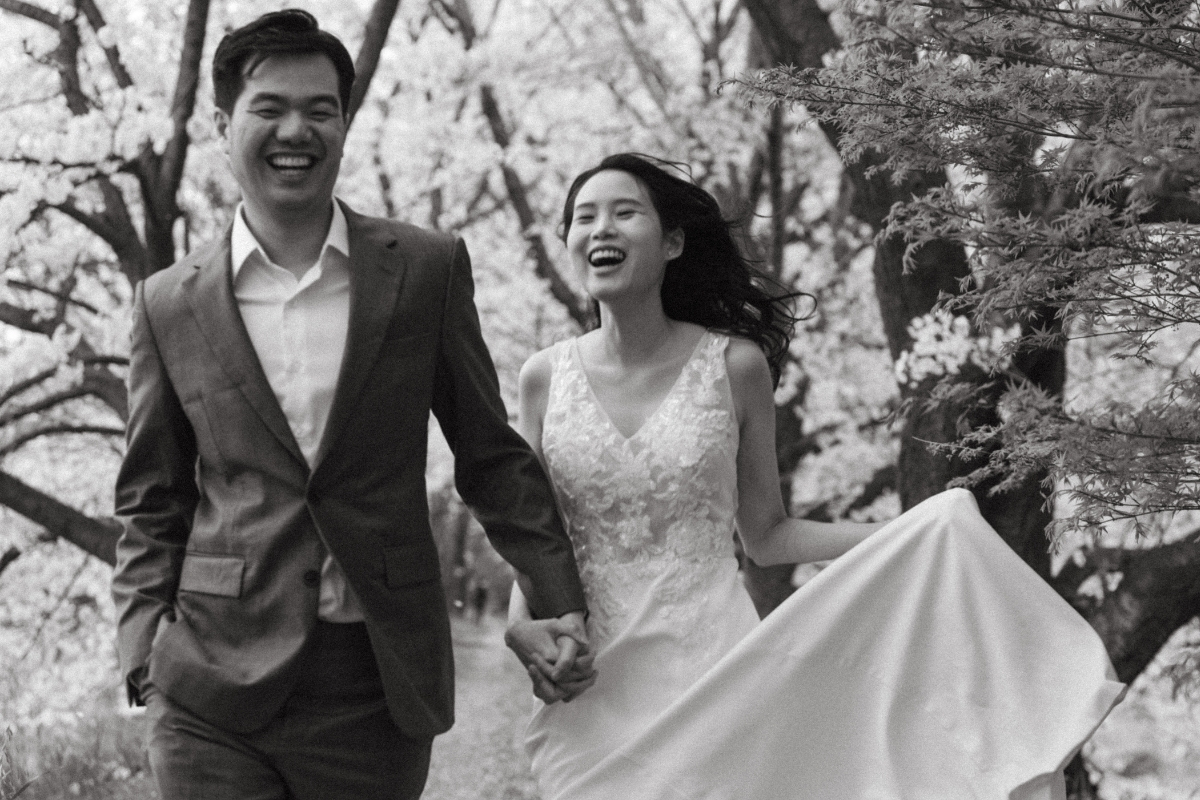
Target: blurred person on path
{"x":279,"y":602}
{"x":928,"y":661}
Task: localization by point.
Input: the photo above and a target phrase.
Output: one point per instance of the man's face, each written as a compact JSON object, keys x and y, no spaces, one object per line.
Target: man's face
{"x":284,"y":137}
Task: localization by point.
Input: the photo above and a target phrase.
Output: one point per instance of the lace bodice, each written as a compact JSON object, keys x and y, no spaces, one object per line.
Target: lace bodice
{"x":653,"y":512}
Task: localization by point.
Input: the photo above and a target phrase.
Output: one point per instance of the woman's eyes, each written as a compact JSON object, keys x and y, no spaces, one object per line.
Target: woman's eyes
{"x":620,"y":213}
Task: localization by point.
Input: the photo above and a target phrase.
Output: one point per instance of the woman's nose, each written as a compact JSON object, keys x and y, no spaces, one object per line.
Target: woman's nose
{"x":604,"y":226}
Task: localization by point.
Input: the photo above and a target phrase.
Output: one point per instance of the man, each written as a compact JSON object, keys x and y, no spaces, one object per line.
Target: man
{"x":277,"y":584}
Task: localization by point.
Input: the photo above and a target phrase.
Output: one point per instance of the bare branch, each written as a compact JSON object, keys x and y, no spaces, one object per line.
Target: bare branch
{"x":374,"y":38}
{"x":59,"y":295}
{"x":49,"y":401}
{"x":112,"y":53}
{"x":10,"y":555}
{"x":28,"y":383}
{"x":115,"y":226}
{"x":67,"y":57}
{"x":27,"y":319}
{"x":159,"y":176}
{"x":36,"y":13}
{"x":57,"y":430}
{"x":520,"y":202}
{"x":95,"y":536}
{"x":119,"y":361}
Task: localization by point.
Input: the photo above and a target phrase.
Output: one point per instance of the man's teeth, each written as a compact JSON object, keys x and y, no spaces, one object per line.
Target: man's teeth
{"x":291,"y":162}
{"x":605,"y":256}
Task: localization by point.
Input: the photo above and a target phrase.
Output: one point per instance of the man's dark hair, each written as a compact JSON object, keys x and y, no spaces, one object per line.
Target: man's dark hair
{"x":292,"y":32}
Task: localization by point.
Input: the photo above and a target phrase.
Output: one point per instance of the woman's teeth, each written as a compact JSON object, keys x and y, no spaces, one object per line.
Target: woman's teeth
{"x":605,"y":256}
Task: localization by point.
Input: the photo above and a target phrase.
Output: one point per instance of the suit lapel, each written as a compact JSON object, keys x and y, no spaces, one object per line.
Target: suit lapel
{"x":215,"y":310}
{"x":376,"y":274}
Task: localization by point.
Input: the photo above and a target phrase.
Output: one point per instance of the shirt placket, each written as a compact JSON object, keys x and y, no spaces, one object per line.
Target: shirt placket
{"x":294,"y":335}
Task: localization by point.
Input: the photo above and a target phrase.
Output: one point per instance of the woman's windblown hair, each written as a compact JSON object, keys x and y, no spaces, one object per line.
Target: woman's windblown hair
{"x":711,"y":283}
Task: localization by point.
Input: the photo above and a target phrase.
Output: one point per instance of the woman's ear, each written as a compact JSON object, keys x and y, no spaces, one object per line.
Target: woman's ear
{"x":673,"y":243}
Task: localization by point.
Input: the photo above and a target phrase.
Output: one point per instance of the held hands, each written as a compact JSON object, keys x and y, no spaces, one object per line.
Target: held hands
{"x":556,"y":655}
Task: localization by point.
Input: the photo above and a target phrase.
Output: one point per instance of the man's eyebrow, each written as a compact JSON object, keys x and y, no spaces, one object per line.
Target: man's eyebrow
{"x":272,"y":97}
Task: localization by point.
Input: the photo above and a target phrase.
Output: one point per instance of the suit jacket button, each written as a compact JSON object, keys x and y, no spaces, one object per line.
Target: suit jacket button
{"x":312,"y":578}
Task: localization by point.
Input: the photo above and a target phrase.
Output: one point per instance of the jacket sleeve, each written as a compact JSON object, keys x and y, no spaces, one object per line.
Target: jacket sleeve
{"x":495,"y":472}
{"x":156,"y":497}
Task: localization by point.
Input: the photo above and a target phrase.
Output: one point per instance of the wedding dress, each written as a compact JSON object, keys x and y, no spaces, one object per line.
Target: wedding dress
{"x":928,"y":663}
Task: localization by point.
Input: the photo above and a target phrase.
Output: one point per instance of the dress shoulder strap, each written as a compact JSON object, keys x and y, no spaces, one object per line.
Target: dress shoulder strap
{"x":560,"y":368}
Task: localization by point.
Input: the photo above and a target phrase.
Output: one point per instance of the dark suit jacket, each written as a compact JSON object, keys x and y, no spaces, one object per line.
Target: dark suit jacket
{"x":217,"y":573}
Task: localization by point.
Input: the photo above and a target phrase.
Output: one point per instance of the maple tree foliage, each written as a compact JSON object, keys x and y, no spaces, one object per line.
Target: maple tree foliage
{"x":1067,"y":132}
{"x":1073,"y":126}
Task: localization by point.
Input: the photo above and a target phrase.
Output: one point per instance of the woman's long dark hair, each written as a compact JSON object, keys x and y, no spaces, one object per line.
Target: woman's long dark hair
{"x":710,"y":283}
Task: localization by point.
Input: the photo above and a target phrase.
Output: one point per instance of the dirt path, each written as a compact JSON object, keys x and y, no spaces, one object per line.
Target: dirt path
{"x":481,"y":758}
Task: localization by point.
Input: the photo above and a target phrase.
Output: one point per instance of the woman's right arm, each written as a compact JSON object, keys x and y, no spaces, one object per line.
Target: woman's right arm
{"x":552,"y":651}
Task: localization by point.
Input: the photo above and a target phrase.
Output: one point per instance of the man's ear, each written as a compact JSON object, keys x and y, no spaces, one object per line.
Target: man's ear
{"x":674,"y":243}
{"x":221,"y":121}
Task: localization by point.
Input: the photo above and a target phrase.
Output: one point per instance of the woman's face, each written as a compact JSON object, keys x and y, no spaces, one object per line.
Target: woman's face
{"x":616,"y":241}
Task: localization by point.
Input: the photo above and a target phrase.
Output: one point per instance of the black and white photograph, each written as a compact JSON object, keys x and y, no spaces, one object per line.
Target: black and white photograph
{"x":612,"y":400}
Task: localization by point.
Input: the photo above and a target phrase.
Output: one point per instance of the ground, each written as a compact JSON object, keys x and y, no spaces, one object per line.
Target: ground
{"x":482,"y":755}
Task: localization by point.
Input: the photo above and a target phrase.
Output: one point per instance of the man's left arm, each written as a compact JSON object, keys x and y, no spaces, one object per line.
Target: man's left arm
{"x":496,"y":473}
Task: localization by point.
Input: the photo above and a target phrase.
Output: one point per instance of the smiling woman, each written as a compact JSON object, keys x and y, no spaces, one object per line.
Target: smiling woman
{"x":658,"y":432}
{"x":617,"y":239}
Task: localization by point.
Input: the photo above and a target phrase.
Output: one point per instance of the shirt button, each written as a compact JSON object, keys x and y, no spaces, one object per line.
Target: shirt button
{"x":312,"y":578}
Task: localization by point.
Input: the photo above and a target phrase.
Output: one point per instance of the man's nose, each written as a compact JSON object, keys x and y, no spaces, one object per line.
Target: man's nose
{"x":293,"y":128}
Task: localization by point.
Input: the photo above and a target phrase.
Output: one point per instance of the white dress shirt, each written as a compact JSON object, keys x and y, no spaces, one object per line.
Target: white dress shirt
{"x":298,"y":328}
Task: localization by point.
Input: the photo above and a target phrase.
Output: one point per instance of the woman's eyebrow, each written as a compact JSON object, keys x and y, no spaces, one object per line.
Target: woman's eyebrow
{"x":592,"y":203}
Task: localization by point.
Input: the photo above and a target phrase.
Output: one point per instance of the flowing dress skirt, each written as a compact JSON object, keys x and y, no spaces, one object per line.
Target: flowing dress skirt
{"x":928,"y":663}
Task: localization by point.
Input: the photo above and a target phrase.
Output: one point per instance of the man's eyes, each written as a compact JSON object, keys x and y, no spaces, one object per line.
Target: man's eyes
{"x":272,"y":112}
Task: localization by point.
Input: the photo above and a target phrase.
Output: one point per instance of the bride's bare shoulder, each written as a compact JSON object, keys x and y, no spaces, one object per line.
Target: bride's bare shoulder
{"x":750,"y":380}
{"x":534,"y":379}
{"x":745,"y":362}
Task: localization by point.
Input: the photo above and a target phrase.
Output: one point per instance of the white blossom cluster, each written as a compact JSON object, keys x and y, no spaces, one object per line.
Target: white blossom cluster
{"x":942,"y":344}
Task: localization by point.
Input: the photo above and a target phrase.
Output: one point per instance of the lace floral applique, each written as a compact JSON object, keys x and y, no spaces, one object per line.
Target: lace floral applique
{"x":653,"y":512}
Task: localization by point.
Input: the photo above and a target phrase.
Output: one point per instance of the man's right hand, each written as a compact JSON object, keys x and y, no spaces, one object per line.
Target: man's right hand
{"x":556,"y":655}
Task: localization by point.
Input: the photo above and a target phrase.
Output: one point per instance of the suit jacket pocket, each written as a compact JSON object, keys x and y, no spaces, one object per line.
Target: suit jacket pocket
{"x":411,"y":564}
{"x":212,"y":574}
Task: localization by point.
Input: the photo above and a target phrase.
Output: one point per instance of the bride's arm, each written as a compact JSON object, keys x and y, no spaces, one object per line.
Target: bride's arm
{"x":768,"y":534}
{"x":552,"y":650}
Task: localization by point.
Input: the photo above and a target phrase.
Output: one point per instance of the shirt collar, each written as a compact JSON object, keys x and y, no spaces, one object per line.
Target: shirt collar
{"x":243,"y":244}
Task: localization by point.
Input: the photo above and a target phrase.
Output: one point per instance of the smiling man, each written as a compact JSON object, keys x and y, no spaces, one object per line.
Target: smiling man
{"x":280,"y":609}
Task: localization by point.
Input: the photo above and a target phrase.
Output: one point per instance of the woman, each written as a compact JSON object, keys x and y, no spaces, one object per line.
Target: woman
{"x":930,"y":662}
